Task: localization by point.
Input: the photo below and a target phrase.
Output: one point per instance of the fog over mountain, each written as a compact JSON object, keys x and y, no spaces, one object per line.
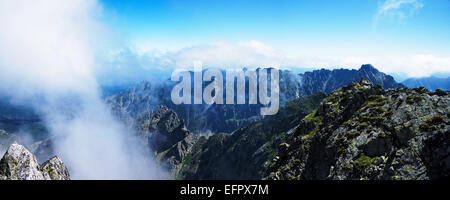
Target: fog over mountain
{"x":47,"y":60}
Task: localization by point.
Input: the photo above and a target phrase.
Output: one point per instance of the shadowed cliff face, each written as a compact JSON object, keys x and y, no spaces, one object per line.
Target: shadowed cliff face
{"x":128,"y":104}
{"x":166,"y":136}
{"x":362,"y":131}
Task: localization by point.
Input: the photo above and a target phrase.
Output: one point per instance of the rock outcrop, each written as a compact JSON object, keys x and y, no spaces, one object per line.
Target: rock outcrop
{"x":167,"y":136}
{"x":362,"y":131}
{"x":20,"y":164}
{"x":55,"y":169}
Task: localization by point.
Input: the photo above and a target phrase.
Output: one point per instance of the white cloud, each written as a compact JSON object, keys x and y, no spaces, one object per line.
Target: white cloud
{"x":413,"y":66}
{"x":417,"y":65}
{"x":397,"y":10}
{"x":42,"y":43}
{"x":258,"y":54}
{"x":47,"y":50}
{"x":218,"y":54}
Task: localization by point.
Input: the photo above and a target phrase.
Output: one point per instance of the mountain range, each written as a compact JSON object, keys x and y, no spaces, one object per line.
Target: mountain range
{"x":332,"y":124}
{"x":360,"y":131}
{"x":203,"y":118}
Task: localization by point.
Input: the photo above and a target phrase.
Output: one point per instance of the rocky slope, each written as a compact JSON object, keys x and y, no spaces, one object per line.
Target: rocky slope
{"x":362,"y":131}
{"x":166,"y":135}
{"x":244,"y":154}
{"x":20,"y":164}
{"x":144,"y":97}
{"x":247,"y":152}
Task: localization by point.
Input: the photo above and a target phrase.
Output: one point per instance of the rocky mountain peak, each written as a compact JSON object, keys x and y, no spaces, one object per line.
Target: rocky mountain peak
{"x":20,"y":164}
{"x":166,"y":120}
{"x":162,"y":126}
{"x":55,"y":169}
{"x":368,"y":67}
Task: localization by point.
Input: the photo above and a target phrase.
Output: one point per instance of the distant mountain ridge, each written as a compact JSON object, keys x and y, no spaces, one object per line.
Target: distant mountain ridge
{"x":431,"y":83}
{"x":146,"y":96}
{"x":327,"y":81}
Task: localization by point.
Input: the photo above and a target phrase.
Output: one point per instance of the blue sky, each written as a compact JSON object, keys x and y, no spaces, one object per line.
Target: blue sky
{"x":389,"y":33}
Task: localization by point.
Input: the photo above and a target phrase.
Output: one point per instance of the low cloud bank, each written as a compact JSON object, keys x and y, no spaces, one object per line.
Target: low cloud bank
{"x":152,"y":64}
{"x":47,"y":59}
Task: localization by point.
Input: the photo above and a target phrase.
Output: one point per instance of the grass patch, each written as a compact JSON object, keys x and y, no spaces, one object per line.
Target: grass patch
{"x":363,"y":162}
{"x":186,"y":161}
{"x":432,"y":123}
{"x":352,"y":133}
{"x":270,"y":151}
{"x":313,"y":117}
{"x":374,"y":101}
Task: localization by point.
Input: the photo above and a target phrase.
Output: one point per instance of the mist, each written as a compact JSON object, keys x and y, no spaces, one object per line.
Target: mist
{"x":48,"y":61}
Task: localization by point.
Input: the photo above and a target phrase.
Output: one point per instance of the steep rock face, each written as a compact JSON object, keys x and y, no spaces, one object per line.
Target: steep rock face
{"x":174,"y":157}
{"x":362,"y":131}
{"x":200,"y":118}
{"x":166,"y":135}
{"x":55,"y":169}
{"x":19,"y":164}
{"x":162,"y":127}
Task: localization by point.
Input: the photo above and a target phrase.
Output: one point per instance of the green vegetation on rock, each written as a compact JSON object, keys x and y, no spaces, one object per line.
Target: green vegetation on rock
{"x":362,"y":131}
{"x":363,"y":162}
